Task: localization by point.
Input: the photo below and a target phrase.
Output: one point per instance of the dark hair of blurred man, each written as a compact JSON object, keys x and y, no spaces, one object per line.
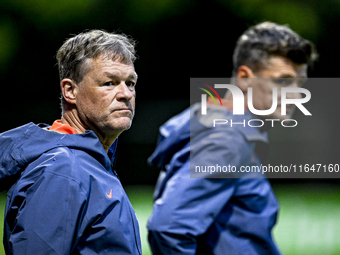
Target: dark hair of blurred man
{"x":230,"y":214}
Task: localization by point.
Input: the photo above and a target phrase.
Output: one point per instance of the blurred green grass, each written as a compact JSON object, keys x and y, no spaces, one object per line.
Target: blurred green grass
{"x":308,"y":223}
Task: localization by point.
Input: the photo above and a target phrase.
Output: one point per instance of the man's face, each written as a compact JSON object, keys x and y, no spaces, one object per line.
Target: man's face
{"x":105,"y":98}
{"x":279,"y":72}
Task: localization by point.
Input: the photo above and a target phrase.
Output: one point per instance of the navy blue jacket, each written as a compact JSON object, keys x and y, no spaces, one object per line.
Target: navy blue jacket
{"x":65,"y":199}
{"x":211,"y":215}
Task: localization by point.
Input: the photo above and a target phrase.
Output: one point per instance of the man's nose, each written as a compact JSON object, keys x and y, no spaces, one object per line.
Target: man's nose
{"x":124,"y":93}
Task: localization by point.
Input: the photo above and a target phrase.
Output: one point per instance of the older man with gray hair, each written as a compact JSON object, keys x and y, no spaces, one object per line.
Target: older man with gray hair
{"x":66,"y":198}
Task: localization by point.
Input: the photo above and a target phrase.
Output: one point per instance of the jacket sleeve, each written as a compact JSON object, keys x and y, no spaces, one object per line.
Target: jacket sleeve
{"x":188,"y":206}
{"x":44,"y":214}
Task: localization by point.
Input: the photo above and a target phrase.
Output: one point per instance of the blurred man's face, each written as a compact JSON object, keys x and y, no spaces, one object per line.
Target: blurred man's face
{"x":280,"y":72}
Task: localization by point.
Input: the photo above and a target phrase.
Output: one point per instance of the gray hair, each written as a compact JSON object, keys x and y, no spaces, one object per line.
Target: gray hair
{"x":73,"y":55}
{"x":262,"y":41}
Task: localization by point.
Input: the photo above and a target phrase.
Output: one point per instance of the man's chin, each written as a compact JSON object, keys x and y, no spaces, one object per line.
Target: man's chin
{"x":289,"y":113}
{"x":124,"y":123}
{"x":278,"y":117}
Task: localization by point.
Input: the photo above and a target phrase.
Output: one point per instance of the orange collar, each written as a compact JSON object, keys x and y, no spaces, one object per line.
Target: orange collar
{"x":225,"y":103}
{"x":63,"y":128}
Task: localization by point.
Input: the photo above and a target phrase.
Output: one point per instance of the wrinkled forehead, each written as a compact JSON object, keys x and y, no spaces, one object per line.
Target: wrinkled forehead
{"x":104,"y":65}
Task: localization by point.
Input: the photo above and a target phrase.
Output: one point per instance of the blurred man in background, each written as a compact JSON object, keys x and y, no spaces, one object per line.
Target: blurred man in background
{"x":220,"y":215}
{"x":67,"y":198}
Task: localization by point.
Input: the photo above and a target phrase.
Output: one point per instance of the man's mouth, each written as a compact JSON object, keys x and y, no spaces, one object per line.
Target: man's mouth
{"x":123,"y":110}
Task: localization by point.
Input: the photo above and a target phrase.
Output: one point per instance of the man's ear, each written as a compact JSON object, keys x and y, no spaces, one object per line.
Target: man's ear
{"x":69,"y":90}
{"x":243,"y":73}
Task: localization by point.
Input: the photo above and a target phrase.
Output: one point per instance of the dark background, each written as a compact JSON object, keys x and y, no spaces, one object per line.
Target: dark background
{"x":177,"y":39}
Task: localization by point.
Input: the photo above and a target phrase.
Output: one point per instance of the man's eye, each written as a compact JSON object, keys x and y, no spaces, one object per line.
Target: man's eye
{"x":130,"y":84}
{"x":109,"y":83}
{"x":283,"y":81}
